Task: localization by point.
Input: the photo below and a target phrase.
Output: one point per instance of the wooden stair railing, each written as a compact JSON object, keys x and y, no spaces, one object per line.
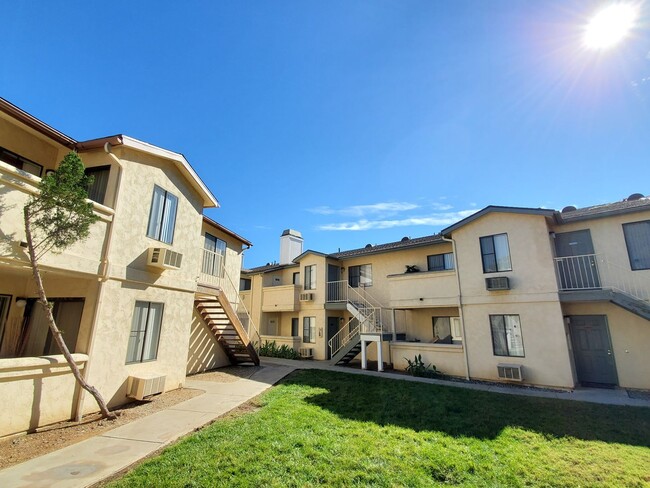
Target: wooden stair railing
{"x":217,"y":312}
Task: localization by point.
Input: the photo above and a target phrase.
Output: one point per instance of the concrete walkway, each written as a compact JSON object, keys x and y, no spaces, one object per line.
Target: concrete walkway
{"x":594,"y":395}
{"x":99,"y":457}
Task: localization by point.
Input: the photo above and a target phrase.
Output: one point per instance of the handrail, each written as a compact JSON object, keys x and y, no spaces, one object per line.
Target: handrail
{"x":596,"y":271}
{"x":342,"y":338}
{"x":250,"y":325}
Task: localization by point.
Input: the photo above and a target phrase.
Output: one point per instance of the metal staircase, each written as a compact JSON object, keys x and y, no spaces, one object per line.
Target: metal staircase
{"x":345,"y":345}
{"x":218,"y":314}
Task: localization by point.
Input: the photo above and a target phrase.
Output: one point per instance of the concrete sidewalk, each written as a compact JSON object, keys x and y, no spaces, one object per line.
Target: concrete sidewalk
{"x":99,"y":457}
{"x":594,"y":395}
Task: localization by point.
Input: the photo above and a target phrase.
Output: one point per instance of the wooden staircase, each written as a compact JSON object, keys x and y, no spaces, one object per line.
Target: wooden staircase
{"x":216,"y":311}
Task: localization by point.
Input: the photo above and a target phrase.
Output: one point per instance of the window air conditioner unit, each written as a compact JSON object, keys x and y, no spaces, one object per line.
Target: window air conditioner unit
{"x":144,"y":385}
{"x":160,"y":257}
{"x":499,"y":283}
{"x":306,"y":297}
{"x":510,"y":372}
{"x":306,"y":352}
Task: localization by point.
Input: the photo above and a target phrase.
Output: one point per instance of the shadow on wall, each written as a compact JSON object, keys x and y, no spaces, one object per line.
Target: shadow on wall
{"x":9,"y":247}
{"x":468,"y":413}
{"x":204,"y":352}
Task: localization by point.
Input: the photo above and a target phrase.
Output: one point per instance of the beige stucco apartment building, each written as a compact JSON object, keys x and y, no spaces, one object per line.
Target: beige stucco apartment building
{"x":539,"y":296}
{"x":146,"y":299}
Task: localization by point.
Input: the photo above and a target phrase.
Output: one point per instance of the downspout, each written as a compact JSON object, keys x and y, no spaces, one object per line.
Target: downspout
{"x":460,"y":306}
{"x":103,"y":277}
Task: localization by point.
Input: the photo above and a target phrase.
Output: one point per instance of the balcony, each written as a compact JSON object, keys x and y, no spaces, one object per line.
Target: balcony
{"x":283,"y":298}
{"x":590,"y":274}
{"x":423,"y":289}
{"x":16,"y":187}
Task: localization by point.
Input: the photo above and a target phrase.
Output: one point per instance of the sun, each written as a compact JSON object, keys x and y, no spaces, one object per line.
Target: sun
{"x":610,"y":25}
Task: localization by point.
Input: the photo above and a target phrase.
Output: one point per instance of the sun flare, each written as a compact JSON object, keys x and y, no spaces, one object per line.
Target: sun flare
{"x":610,"y":26}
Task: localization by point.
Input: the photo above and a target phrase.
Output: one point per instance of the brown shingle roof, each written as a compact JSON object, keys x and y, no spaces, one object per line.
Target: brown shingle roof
{"x":605,"y":210}
{"x":391,"y":246}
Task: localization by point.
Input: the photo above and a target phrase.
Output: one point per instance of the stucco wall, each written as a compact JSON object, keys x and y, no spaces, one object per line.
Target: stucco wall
{"x":37,"y":391}
{"x":448,"y":359}
{"x":108,"y":368}
{"x":630,"y":336}
{"x":28,"y":143}
{"x":204,"y":350}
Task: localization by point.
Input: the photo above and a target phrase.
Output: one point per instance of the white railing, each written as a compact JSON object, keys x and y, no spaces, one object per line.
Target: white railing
{"x":343,"y":337}
{"x":371,"y":317}
{"x":595,"y":271}
{"x":212,"y":268}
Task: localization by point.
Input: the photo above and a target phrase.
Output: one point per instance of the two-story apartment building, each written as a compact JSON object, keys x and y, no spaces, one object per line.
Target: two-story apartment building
{"x":139,"y":299}
{"x":546,"y":297}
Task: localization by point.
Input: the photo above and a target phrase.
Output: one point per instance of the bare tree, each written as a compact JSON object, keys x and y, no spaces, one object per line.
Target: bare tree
{"x":55,"y":218}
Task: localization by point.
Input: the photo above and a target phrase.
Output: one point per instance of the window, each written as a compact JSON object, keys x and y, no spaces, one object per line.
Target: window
{"x":296,"y":278}
{"x":637,"y":239}
{"x":162,"y":217}
{"x":310,"y":277}
{"x":19,"y":162}
{"x":294,"y":326}
{"x":360,"y":275}
{"x":214,"y":256}
{"x":97,"y":189}
{"x":145,"y":332}
{"x":440,"y":262}
{"x":442,"y":330}
{"x":244,"y":284}
{"x":309,"y":329}
{"x":506,"y":335}
{"x":496,"y":253}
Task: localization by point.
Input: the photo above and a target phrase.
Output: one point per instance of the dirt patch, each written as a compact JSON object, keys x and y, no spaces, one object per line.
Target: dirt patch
{"x":22,"y":448}
{"x":229,"y":374}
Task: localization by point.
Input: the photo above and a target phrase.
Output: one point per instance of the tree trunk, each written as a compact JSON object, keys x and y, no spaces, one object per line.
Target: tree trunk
{"x":56,"y":333}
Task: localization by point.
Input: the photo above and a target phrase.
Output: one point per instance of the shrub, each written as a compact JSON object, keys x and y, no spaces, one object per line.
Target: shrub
{"x":418,"y":368}
{"x":271,"y":350}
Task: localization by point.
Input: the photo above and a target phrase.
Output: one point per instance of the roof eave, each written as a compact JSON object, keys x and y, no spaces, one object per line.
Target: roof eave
{"x":494,"y":208}
{"x":226,"y":230}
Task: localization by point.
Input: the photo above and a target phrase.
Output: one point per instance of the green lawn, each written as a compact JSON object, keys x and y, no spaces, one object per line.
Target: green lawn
{"x":338,"y":429}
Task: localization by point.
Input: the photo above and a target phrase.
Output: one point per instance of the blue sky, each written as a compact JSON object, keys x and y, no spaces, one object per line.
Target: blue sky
{"x":354,"y":122}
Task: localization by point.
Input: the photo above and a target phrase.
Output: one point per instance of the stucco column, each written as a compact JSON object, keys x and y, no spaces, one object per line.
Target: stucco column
{"x":392,"y":316}
{"x":364,"y":359}
{"x":380,"y":356}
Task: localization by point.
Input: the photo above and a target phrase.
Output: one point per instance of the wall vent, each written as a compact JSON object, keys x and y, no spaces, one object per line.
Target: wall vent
{"x":306,"y":352}
{"x":160,"y":257}
{"x":306,"y":297}
{"x":510,"y":372}
{"x":145,"y":384}
{"x":499,"y":283}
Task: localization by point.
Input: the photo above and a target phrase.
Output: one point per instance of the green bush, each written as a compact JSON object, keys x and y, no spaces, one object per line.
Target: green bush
{"x":418,"y":368}
{"x":271,"y":350}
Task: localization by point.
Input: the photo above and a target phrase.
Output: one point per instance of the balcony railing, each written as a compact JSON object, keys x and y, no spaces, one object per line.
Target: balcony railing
{"x":595,"y":271}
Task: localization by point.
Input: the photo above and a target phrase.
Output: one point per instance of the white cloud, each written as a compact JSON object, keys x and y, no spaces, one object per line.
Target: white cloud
{"x":432,"y":220}
{"x":362,"y":210}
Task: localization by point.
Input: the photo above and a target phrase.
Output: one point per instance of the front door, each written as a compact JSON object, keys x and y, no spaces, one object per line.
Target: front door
{"x":578,"y":270}
{"x":332,"y":329}
{"x":592,"y":350}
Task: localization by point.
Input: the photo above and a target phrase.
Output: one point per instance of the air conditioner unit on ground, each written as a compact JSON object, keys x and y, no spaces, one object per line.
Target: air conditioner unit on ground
{"x":306,"y":297}
{"x":499,"y":283}
{"x":160,"y":257}
{"x":510,"y":372}
{"x":144,"y":385}
{"x":306,"y":352}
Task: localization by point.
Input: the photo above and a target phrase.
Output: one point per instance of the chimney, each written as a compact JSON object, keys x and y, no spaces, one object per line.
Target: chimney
{"x":290,"y":245}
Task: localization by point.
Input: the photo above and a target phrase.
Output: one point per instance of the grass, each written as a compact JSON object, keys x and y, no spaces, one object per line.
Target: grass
{"x":335,"y":429}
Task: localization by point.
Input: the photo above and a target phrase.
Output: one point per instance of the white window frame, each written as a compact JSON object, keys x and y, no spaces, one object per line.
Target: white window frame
{"x":144,"y":338}
{"x":309,"y":330}
{"x":448,"y":262}
{"x":162,"y":215}
{"x":364,"y":278}
{"x":310,"y":277}
{"x":512,"y":338}
{"x":500,"y":250}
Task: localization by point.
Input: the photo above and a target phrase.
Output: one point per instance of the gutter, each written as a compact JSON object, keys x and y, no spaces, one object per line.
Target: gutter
{"x":460,"y":306}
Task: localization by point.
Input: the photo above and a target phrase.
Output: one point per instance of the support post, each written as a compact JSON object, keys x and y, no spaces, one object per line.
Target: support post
{"x":380,"y":356}
{"x":364,"y":356}
{"x":392,"y":316}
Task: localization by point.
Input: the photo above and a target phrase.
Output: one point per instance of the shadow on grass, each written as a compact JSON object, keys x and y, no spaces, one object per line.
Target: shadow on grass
{"x":467,"y":413}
